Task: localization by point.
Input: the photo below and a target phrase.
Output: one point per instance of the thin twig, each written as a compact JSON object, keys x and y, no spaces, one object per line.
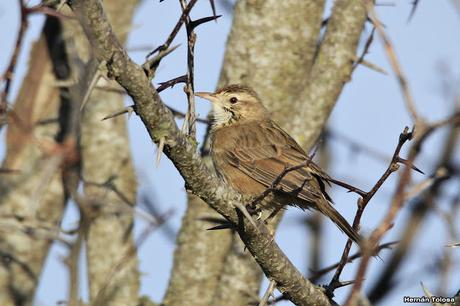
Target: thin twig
{"x":172,"y":82}
{"x":412,"y":11}
{"x":391,"y":54}
{"x":9,"y":72}
{"x":320,"y":273}
{"x":367,"y":45}
{"x":176,"y":28}
{"x":189,"y":88}
{"x":420,"y":207}
{"x":268,"y":293}
{"x":396,"y":205}
{"x":362,"y":203}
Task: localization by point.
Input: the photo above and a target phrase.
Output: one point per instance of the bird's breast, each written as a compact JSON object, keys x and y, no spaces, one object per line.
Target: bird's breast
{"x":223,"y":142}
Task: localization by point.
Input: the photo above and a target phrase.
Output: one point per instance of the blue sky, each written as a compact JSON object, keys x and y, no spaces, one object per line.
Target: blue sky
{"x":370,"y":110}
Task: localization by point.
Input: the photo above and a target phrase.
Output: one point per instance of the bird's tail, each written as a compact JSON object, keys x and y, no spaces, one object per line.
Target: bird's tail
{"x":328,"y":210}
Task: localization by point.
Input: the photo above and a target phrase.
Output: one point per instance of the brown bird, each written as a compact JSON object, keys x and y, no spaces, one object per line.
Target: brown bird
{"x":251,"y":152}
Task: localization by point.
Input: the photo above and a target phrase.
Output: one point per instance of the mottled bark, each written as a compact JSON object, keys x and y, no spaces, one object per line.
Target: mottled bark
{"x":271,"y":48}
{"x":112,"y":263}
{"x":331,"y":70}
{"x":198,"y":258}
{"x":106,"y":156}
{"x":160,"y":124}
{"x":239,"y":282}
{"x":31,"y":201}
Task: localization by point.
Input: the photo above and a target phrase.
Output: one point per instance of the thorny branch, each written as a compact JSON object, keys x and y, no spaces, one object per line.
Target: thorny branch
{"x":190,"y":119}
{"x":362,"y":203}
{"x":7,"y":76}
{"x":189,"y":88}
{"x":173,"y":34}
{"x":318,"y":274}
{"x":396,"y":205}
{"x":418,"y":210}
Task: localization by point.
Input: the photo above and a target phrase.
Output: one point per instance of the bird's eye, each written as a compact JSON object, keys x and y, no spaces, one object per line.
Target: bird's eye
{"x":233,"y":100}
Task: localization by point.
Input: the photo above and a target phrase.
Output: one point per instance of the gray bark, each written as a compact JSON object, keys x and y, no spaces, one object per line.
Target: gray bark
{"x":104,"y":145}
{"x":31,"y":201}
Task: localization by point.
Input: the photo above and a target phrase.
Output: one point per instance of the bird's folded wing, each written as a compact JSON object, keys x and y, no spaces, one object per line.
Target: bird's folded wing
{"x":265,"y":161}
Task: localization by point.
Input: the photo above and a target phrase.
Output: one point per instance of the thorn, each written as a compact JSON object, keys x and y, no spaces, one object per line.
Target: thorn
{"x":200,"y":21}
{"x":245,"y":212}
{"x":221,"y":223}
{"x":95,"y":78}
{"x":172,"y":82}
{"x":129,"y":110}
{"x":452,"y":245}
{"x":161,"y":145}
{"x":151,"y":64}
{"x":412,"y":12}
{"x":426,"y":291}
{"x":268,"y":293}
{"x":213,"y":7}
{"x":221,"y":227}
{"x":374,"y":67}
{"x":344,"y":283}
{"x":409,"y":164}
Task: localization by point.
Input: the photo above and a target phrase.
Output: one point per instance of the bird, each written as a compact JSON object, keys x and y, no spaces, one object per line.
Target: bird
{"x":253,"y":155}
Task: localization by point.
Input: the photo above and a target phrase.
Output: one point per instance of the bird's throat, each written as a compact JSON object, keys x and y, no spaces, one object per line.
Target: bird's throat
{"x":223,"y":117}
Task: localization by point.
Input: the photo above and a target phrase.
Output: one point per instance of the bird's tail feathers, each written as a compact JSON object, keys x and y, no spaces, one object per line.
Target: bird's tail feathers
{"x":328,"y":210}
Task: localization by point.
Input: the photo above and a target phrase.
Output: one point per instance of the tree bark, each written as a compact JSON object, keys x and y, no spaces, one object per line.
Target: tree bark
{"x":331,"y":70}
{"x":42,"y":145}
{"x":32,"y":200}
{"x":110,"y":249}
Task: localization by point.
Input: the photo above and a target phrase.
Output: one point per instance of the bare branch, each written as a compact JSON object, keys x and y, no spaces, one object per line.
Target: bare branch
{"x":7,"y":76}
{"x":396,"y":205}
{"x":362,"y":203}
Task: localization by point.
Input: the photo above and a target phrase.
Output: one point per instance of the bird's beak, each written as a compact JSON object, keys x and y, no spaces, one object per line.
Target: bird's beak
{"x":208,"y":96}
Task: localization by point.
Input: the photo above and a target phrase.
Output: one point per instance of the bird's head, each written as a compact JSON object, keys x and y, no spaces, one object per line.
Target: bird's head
{"x":234,"y":104}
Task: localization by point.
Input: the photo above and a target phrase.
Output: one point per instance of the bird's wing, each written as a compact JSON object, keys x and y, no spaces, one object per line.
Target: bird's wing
{"x":274,"y":151}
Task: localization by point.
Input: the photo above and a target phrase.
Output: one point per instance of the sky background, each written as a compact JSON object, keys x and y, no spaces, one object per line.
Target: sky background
{"x":370,"y":111}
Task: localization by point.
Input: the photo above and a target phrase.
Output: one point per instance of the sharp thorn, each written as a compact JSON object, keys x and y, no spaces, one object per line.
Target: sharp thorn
{"x":161,"y":145}
{"x":129,"y":110}
{"x":196,"y":23}
{"x":221,"y":227}
{"x":247,"y":215}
